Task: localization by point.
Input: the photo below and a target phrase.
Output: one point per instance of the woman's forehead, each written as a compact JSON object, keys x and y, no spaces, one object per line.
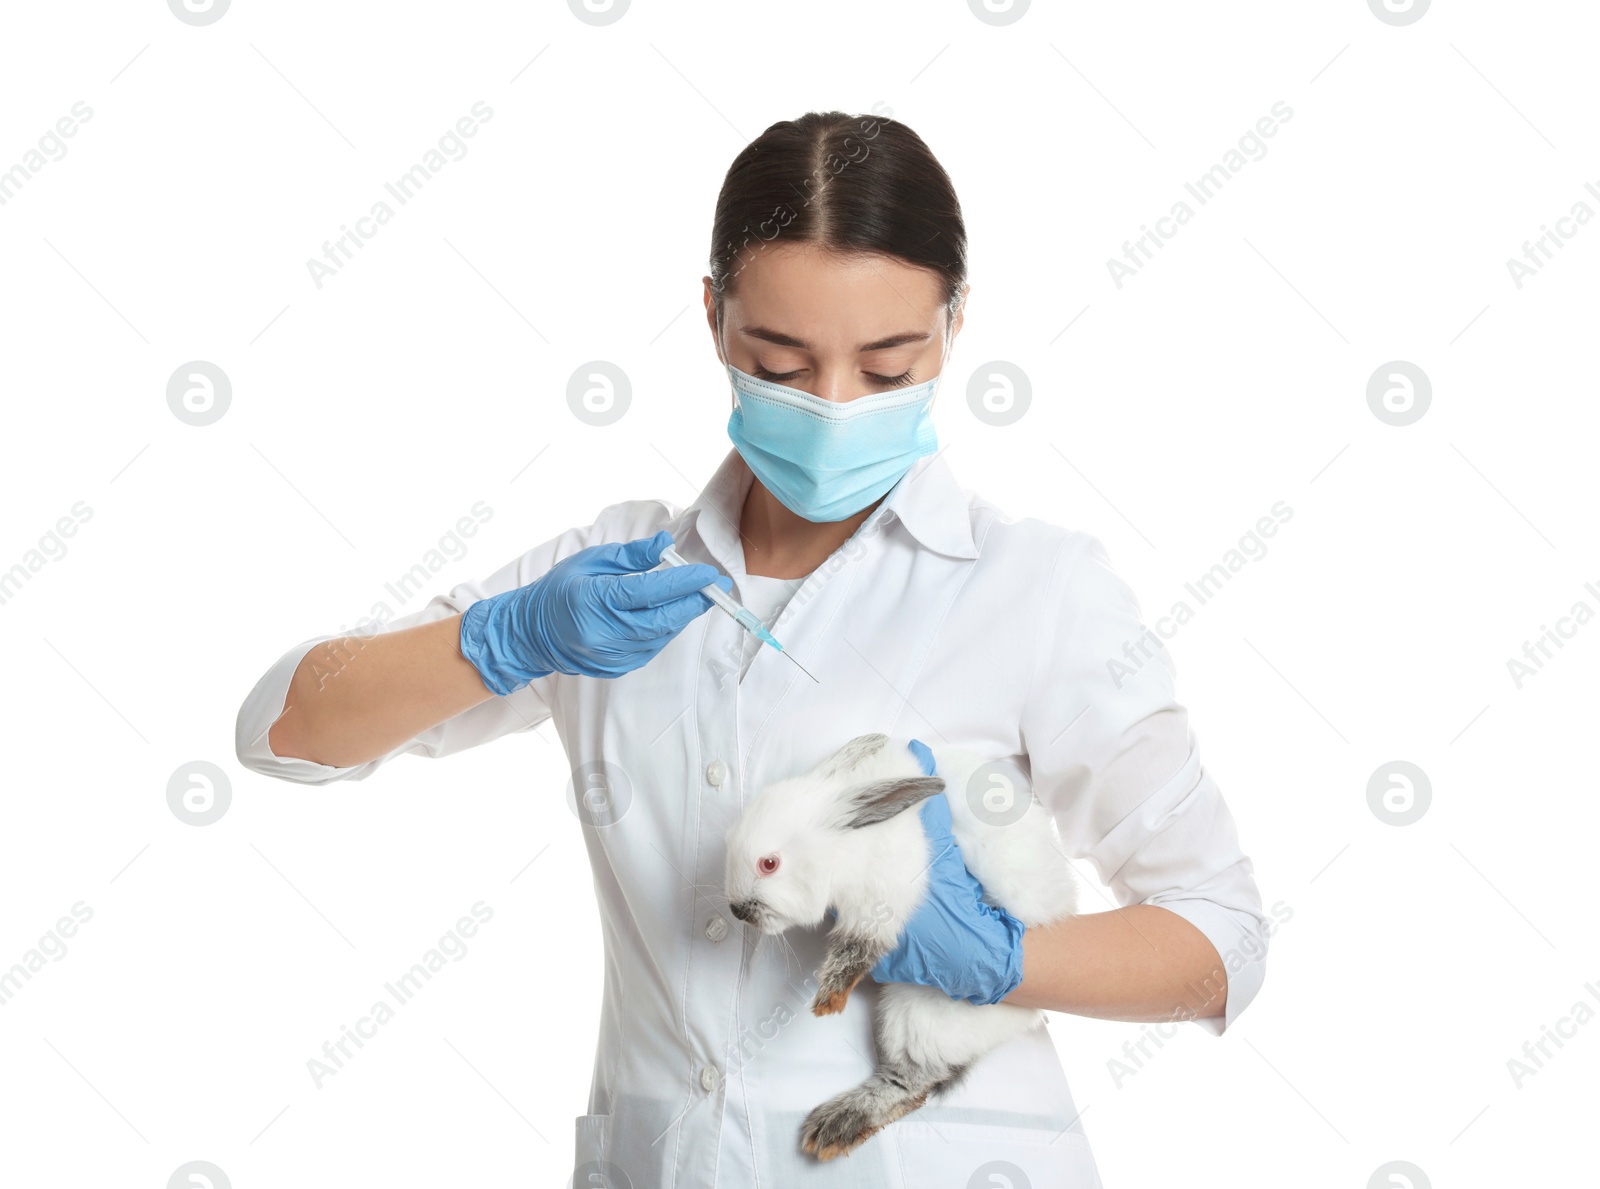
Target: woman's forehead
{"x":829,"y":299}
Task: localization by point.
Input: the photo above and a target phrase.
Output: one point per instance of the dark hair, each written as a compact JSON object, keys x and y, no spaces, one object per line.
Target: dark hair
{"x":844,"y":183}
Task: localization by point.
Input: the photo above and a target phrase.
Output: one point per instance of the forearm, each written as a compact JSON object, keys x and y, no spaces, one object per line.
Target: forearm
{"x":1141,"y":962}
{"x":352,"y":699}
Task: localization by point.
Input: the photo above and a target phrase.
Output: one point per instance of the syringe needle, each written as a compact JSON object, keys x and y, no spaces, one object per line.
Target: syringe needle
{"x":757,"y":629}
{"x":803,"y":669}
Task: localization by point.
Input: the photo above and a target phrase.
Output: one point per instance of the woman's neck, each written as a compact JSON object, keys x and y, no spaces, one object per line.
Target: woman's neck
{"x":779,"y":544}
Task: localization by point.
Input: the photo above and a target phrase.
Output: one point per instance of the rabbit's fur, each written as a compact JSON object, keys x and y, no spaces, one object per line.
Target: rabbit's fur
{"x":842,"y":838}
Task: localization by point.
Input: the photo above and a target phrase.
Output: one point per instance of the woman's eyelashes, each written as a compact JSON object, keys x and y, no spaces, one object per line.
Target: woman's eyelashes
{"x":904,"y":377}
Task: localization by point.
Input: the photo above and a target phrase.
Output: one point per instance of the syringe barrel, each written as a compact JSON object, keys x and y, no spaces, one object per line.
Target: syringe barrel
{"x":713,"y":592}
{"x":746,"y":619}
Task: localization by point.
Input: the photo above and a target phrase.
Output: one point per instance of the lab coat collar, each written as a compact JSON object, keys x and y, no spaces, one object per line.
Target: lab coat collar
{"x":927,"y":499}
{"x":934,"y":506}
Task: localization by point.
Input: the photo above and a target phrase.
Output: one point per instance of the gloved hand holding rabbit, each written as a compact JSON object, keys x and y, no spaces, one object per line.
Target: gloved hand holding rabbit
{"x":908,"y":909}
{"x":955,"y":941}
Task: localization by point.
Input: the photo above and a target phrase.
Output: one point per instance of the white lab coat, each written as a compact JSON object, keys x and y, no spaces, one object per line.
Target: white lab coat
{"x":939,"y":619}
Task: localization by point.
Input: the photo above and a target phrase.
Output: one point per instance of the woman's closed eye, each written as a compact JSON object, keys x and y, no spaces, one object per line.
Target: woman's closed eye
{"x":904,"y":377}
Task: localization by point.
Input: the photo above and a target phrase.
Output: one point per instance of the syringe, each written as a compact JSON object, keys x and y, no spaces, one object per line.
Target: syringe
{"x":745,"y":618}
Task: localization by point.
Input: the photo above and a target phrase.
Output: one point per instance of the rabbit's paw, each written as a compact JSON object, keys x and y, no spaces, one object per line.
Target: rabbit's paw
{"x":840,"y":1125}
{"x":849,"y":958}
{"x":832,"y":995}
{"x":848,"y":1120}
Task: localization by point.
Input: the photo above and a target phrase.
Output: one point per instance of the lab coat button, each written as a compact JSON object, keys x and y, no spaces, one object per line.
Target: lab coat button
{"x":716,"y":928}
{"x":708,"y":1079}
{"x":716,"y":773}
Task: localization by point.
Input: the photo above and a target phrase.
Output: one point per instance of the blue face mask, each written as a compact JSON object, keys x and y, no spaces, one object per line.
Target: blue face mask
{"x":826,"y":460}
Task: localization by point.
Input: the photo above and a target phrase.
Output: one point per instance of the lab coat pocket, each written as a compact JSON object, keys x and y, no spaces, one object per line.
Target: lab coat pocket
{"x":986,"y":1156}
{"x":590,"y":1168}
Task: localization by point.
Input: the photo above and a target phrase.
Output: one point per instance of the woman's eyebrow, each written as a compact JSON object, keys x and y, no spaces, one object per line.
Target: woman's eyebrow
{"x":788,"y":340}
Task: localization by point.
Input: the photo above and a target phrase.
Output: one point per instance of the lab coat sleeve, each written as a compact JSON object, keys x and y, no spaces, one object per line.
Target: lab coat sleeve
{"x":1115,"y":762}
{"x":521,"y":710}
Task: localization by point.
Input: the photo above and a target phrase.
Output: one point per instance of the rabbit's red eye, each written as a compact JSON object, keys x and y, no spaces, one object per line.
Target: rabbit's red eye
{"x":767,"y":864}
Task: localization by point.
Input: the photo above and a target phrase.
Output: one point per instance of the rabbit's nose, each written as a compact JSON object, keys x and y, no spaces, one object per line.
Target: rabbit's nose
{"x":744,"y":910}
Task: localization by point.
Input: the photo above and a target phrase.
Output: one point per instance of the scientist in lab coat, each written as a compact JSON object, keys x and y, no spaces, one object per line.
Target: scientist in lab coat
{"x":838,"y":278}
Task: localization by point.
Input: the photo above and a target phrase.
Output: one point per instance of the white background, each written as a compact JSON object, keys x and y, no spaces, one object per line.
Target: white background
{"x":1167,"y":416}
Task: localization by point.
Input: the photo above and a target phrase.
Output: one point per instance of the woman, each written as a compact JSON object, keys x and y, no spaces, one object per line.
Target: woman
{"x":837,"y":286}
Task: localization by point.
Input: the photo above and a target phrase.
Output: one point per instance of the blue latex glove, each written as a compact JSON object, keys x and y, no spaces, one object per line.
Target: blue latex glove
{"x":954,"y":941}
{"x":593,"y":614}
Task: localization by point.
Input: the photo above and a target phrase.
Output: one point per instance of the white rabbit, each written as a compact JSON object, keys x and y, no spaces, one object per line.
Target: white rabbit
{"x":838,"y":836}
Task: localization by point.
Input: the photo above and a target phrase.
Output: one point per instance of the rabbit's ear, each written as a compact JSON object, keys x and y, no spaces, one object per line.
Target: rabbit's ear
{"x":851,"y":754}
{"x":880,"y":800}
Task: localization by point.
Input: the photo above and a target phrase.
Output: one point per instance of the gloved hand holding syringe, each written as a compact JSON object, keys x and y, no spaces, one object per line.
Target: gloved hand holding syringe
{"x":601,"y":612}
{"x":745,"y":618}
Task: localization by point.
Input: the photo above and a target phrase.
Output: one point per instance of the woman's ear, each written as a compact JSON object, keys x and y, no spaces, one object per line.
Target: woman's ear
{"x":711,"y":319}
{"x":881,"y":799}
